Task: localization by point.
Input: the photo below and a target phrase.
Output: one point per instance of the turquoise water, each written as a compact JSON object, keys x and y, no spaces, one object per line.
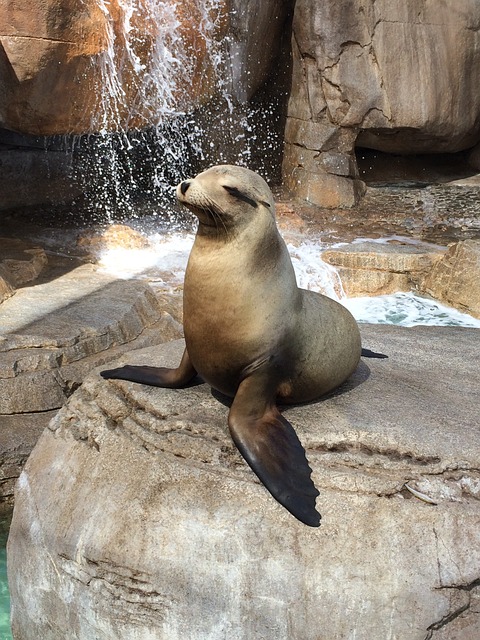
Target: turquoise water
{"x":5,"y":633}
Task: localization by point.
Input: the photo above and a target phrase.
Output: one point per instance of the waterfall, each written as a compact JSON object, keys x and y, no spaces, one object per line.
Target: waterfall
{"x":169,"y":103}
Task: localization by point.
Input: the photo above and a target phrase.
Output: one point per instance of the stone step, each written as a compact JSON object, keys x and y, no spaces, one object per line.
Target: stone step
{"x":372,"y":268}
{"x":52,"y":334}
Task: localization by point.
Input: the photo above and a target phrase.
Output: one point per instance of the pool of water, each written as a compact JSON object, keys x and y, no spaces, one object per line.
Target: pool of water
{"x":5,"y":633}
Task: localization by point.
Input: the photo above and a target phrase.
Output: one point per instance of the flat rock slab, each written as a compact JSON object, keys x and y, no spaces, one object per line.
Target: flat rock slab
{"x":374,"y":268}
{"x":53,"y":334}
{"x":136,"y":518}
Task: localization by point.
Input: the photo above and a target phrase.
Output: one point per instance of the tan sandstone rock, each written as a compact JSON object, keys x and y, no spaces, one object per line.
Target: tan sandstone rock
{"x":456,"y":278}
{"x":21,"y":261}
{"x":135,"y":516}
{"x":372,"y":268}
{"x":6,"y":287}
{"x":107,"y":66}
{"x":114,"y":236}
{"x":18,"y":435}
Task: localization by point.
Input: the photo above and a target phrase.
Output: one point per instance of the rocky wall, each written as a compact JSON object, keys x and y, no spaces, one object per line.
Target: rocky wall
{"x":102,"y":66}
{"x":397,"y":77}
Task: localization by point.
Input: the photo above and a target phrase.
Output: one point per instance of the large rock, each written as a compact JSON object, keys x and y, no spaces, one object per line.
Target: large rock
{"x":456,"y":278}
{"x":110,"y":66}
{"x":6,"y":287}
{"x":393,"y":77}
{"x":136,"y":518}
{"x":53,"y":334}
{"x":21,"y":261}
{"x":18,"y":435}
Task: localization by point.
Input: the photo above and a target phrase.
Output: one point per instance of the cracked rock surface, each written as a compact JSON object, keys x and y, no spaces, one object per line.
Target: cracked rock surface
{"x":135,"y":516}
{"x":51,"y":335}
{"x":395,"y":77}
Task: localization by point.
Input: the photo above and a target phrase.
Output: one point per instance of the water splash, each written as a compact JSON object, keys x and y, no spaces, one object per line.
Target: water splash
{"x":165,"y":261}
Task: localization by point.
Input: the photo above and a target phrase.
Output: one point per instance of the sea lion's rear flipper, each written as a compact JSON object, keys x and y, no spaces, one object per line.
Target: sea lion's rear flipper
{"x":155,"y":376}
{"x":271,"y":447}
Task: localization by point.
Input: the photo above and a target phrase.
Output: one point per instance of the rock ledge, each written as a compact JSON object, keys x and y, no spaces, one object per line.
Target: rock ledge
{"x":135,"y":516}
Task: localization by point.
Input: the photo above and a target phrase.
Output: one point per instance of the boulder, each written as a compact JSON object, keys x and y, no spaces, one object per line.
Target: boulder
{"x":456,"y":278}
{"x":20,"y":263}
{"x":396,"y":78}
{"x":136,"y":517}
{"x":114,"y":236}
{"x":6,"y":287}
{"x":53,"y":334}
{"x":67,"y":68}
{"x":373,"y":268}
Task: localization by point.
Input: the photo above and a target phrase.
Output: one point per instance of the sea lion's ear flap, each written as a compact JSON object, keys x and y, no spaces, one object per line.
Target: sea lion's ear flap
{"x":239,"y":195}
{"x":271,"y":447}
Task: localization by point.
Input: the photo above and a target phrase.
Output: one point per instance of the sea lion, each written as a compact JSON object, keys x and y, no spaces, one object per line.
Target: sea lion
{"x":251,"y":333}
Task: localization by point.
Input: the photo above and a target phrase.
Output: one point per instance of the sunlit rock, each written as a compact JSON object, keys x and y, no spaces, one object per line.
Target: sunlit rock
{"x":113,"y":66}
{"x":373,"y":268}
{"x":53,"y":334}
{"x":456,"y":278}
{"x":136,"y":517}
{"x":115,"y":236}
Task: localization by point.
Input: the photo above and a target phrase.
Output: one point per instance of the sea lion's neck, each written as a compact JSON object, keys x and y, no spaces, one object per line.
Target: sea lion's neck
{"x":257,"y":252}
{"x":215,"y":235}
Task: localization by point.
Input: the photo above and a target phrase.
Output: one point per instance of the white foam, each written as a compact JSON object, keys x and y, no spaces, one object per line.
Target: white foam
{"x":312,"y":272}
{"x":407,"y":310}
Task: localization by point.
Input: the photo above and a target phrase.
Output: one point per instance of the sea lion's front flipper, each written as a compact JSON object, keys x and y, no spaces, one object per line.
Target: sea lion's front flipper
{"x":271,"y":447}
{"x":155,"y":376}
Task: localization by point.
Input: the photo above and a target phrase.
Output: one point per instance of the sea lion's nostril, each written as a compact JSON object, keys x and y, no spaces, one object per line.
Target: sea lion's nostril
{"x":184,"y":187}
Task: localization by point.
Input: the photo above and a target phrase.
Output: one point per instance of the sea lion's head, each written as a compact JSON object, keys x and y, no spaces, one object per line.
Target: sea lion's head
{"x":226,"y":197}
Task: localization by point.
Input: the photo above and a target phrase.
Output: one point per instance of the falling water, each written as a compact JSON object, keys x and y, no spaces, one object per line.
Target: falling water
{"x":159,"y":139}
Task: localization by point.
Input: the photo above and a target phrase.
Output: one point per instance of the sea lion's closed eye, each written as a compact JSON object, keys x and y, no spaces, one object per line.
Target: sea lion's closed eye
{"x":236,"y":193}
